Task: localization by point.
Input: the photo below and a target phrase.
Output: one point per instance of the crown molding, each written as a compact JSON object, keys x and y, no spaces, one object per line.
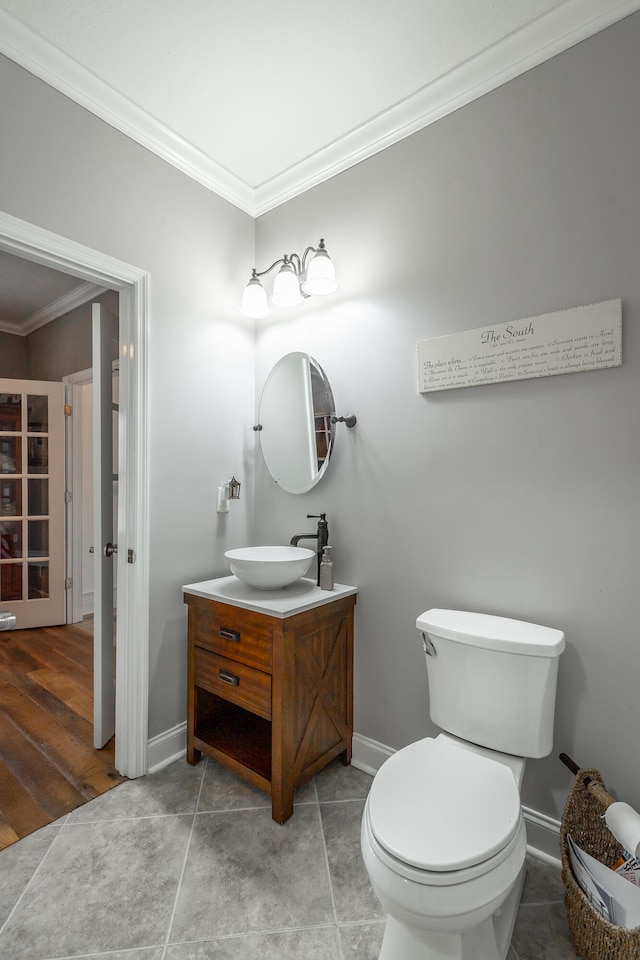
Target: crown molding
{"x":531,"y":45}
{"x":522,"y":50}
{"x":44,"y":60}
{"x":75,"y":298}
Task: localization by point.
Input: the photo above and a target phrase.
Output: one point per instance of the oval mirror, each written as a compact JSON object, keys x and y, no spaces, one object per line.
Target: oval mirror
{"x":296,"y":432}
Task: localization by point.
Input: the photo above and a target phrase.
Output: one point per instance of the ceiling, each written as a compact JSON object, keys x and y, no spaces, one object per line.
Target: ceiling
{"x":261,"y":101}
{"x":32,"y":295}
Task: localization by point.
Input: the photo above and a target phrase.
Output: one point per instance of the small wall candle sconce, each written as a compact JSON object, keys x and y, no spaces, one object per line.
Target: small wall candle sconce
{"x":228,"y":491}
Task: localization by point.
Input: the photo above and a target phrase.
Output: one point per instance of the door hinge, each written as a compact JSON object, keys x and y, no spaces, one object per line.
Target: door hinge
{"x":68,"y":410}
{"x":67,"y":496}
{"x":68,"y":583}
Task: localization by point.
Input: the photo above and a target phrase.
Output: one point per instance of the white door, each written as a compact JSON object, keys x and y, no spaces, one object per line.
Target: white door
{"x":104,"y":711}
{"x":32,"y":450}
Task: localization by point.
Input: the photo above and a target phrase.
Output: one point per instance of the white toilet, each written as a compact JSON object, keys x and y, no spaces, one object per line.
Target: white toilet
{"x":443,"y":836}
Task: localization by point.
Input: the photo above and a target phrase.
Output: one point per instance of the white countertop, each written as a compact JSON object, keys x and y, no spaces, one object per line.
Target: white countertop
{"x":300,"y":596}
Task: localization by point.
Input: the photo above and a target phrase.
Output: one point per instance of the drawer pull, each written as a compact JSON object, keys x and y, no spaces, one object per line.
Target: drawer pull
{"x":230,"y":634}
{"x":231,"y":678}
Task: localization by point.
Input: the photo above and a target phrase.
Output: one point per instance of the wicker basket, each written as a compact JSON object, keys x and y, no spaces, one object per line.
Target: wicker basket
{"x":594,"y":937}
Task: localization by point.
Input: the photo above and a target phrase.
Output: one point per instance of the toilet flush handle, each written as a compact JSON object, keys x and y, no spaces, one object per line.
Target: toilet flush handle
{"x":427,"y":645}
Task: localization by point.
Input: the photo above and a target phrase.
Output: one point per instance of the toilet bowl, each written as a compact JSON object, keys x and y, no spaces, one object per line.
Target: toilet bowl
{"x":444,"y":843}
{"x":443,"y":836}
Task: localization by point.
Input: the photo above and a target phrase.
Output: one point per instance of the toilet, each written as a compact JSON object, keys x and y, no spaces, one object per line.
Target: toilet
{"x":443,"y":837}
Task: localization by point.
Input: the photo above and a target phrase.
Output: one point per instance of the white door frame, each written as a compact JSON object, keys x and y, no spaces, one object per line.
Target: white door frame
{"x":132,"y":642}
{"x":73,"y":384}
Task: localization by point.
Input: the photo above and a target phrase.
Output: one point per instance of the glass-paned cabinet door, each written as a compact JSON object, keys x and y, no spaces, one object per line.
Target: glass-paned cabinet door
{"x":32,"y":575}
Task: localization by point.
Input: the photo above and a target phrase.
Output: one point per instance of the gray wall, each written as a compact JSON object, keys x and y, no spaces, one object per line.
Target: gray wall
{"x":13,"y":356}
{"x":519,"y":499}
{"x":96,"y":187}
{"x":63,"y":346}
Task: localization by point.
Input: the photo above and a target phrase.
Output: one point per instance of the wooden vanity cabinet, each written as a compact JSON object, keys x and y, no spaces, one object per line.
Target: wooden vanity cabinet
{"x":269,"y":697}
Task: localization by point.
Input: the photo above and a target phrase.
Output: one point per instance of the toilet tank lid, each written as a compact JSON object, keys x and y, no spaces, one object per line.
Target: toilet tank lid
{"x":493,"y":633}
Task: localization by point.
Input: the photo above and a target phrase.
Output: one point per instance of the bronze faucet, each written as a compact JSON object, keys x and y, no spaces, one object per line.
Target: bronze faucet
{"x":321,"y":536}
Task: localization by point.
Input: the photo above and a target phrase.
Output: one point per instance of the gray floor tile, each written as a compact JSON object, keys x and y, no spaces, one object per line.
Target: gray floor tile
{"x":543,"y":882}
{"x":305,"y":794}
{"x":245,"y":873}
{"x":146,"y":953}
{"x":223,"y":790}
{"x":353,"y":896}
{"x":18,"y":864}
{"x":103,"y":887}
{"x":315,"y":944}
{"x":173,"y":790}
{"x":362,"y":941}
{"x":542,"y":933}
{"x":337,"y":782}
{"x":103,"y":882}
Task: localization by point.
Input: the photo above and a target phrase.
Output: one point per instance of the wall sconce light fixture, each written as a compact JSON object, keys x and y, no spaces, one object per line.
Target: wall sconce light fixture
{"x":293,"y":282}
{"x":228,"y":491}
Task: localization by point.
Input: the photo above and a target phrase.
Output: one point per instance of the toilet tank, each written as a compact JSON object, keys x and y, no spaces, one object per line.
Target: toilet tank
{"x":492,"y":681}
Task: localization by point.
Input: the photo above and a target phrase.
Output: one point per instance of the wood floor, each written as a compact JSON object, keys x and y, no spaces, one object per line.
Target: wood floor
{"x":48,"y":766}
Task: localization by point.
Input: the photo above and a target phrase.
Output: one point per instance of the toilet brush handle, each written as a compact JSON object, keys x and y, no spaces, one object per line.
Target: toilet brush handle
{"x":573,"y":766}
{"x":568,"y":762}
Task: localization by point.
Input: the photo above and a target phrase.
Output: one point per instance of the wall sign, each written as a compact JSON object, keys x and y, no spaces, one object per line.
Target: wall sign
{"x":569,"y":341}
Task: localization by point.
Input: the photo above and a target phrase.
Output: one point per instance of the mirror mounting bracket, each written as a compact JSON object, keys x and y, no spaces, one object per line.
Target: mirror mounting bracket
{"x":349,"y":421}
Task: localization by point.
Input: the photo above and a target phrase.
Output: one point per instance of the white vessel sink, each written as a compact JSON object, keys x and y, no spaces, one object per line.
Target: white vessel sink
{"x":269,"y":568}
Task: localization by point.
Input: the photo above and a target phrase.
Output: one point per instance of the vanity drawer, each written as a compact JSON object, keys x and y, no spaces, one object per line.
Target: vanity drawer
{"x":238,"y":634}
{"x":233,"y":681}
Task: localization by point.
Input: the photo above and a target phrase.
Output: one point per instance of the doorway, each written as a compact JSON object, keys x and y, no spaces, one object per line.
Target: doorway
{"x":132,"y":645}
{"x":57,"y":711}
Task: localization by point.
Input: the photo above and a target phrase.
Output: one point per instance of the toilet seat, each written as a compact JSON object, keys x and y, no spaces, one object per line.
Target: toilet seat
{"x":513,"y":854}
{"x":440,"y":808}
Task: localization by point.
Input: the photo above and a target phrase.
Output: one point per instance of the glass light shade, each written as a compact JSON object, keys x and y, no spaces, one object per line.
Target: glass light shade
{"x":286,"y":287}
{"x":254,"y":300}
{"x":321,"y":275}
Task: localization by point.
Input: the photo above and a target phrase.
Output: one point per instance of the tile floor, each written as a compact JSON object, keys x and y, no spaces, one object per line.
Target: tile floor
{"x":187,"y":864}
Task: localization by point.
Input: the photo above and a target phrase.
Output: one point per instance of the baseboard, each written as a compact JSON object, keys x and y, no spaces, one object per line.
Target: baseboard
{"x":368,"y":755}
{"x":543,"y":832}
{"x":543,"y":837}
{"x":87,"y":604}
{"x":167,"y":747}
